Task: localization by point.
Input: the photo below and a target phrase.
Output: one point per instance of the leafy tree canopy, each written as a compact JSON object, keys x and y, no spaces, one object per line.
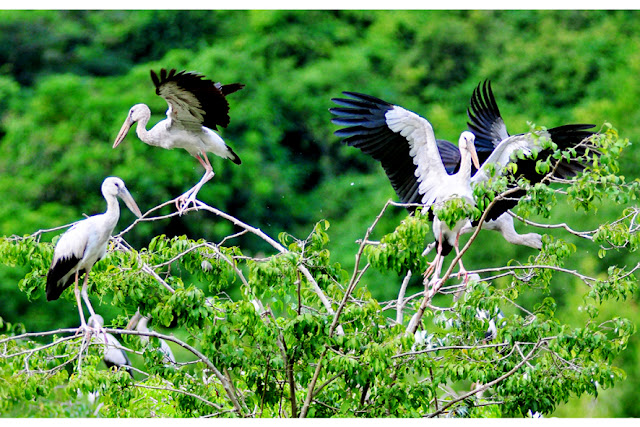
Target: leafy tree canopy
{"x":315,"y":325}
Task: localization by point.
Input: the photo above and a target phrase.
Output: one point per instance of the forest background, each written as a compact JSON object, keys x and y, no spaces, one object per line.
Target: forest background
{"x":68,"y":78}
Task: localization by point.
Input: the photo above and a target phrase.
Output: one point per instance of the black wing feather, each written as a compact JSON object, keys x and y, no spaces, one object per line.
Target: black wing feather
{"x":210,"y":95}
{"x":367,"y":130}
{"x":486,"y":123}
{"x":489,"y":128}
{"x":566,"y":136}
{"x":56,"y":273}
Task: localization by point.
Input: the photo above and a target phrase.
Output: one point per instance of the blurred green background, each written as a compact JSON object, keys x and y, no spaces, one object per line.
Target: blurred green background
{"x":68,"y":78}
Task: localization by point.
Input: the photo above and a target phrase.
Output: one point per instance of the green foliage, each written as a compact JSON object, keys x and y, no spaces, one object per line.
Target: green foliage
{"x":256,"y":316}
{"x":401,"y":250}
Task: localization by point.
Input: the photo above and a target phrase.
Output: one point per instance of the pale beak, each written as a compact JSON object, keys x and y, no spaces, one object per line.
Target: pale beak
{"x":123,"y":131}
{"x":134,"y":321}
{"x":128,"y":200}
{"x":474,"y":155}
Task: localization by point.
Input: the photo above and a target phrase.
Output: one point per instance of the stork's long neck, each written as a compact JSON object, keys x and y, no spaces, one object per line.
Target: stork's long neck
{"x":146,"y":136}
{"x":464,"y":173}
{"x":112,"y":214}
{"x":141,"y":130}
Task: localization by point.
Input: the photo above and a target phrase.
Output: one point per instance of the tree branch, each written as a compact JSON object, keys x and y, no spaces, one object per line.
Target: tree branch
{"x":489,"y":384}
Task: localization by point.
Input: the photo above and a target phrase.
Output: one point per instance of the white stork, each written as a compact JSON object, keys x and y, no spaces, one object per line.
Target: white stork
{"x":376,"y":127}
{"x":386,"y":132}
{"x":139,"y":322}
{"x":196,"y":107}
{"x":113,"y":355}
{"x":488,"y":126}
{"x":85,"y":243}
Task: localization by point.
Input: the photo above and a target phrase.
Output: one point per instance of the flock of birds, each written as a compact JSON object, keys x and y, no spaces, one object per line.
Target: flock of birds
{"x":422,"y":170}
{"x":428,"y":171}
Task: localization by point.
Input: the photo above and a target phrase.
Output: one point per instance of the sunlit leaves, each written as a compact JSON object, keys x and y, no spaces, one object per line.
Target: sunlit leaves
{"x":402,"y":250}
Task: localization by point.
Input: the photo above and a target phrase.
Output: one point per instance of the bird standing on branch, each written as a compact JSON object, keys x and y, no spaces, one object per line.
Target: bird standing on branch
{"x":405,"y":143}
{"x":368,"y":127}
{"x":85,"y":243}
{"x":196,"y":108}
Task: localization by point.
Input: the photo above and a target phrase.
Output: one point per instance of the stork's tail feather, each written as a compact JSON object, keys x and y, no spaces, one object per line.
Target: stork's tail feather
{"x":233,"y":156}
{"x":55,"y":285}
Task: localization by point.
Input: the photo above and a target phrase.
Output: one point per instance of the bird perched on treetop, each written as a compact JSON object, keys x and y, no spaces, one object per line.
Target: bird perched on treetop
{"x":85,"y":243}
{"x":196,"y":108}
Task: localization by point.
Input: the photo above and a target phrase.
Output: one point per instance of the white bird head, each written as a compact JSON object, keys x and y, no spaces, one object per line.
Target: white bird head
{"x":467,"y":142}
{"x":136,"y":113}
{"x":114,"y":186}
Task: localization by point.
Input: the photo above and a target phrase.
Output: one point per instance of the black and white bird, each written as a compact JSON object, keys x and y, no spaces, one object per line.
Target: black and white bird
{"x":487,"y":124}
{"x":113,"y":355}
{"x":85,"y":243}
{"x":405,"y":143}
{"x":196,"y":108}
{"x":139,"y":322}
{"x":386,"y":132}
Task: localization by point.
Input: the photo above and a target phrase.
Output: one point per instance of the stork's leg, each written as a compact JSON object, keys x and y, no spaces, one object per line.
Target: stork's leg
{"x":436,"y":265}
{"x":85,"y":296}
{"x":76,"y":291}
{"x":184,"y":200}
{"x":462,"y":270}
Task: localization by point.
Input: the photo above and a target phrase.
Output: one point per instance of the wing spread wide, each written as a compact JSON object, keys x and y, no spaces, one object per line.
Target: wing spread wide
{"x":396,"y":138}
{"x":193,"y":100}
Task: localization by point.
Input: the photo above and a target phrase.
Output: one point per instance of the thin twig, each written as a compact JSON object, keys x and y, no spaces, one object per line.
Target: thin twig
{"x":174,"y":390}
{"x":401,"y":302}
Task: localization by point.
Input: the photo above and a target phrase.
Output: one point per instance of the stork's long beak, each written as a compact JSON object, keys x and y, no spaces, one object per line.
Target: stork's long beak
{"x":123,"y":131}
{"x":474,"y":155}
{"x":134,"y":321}
{"x":128,"y":200}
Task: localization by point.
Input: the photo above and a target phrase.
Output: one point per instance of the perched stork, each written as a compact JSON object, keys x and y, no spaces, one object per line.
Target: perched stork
{"x":369,"y":128}
{"x":113,"y":354}
{"x":139,"y":322}
{"x":85,"y":243}
{"x":196,"y":108}
{"x":406,"y":145}
{"x":488,"y":126}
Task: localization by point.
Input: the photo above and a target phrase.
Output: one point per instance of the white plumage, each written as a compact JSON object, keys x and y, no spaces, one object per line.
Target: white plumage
{"x":140,"y":323}
{"x":85,"y":243}
{"x":435,"y":184}
{"x":418,"y":171}
{"x":196,"y":106}
{"x":113,"y":355}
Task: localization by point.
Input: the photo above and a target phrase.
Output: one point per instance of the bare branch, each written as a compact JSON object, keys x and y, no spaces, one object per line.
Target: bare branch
{"x":583,"y":234}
